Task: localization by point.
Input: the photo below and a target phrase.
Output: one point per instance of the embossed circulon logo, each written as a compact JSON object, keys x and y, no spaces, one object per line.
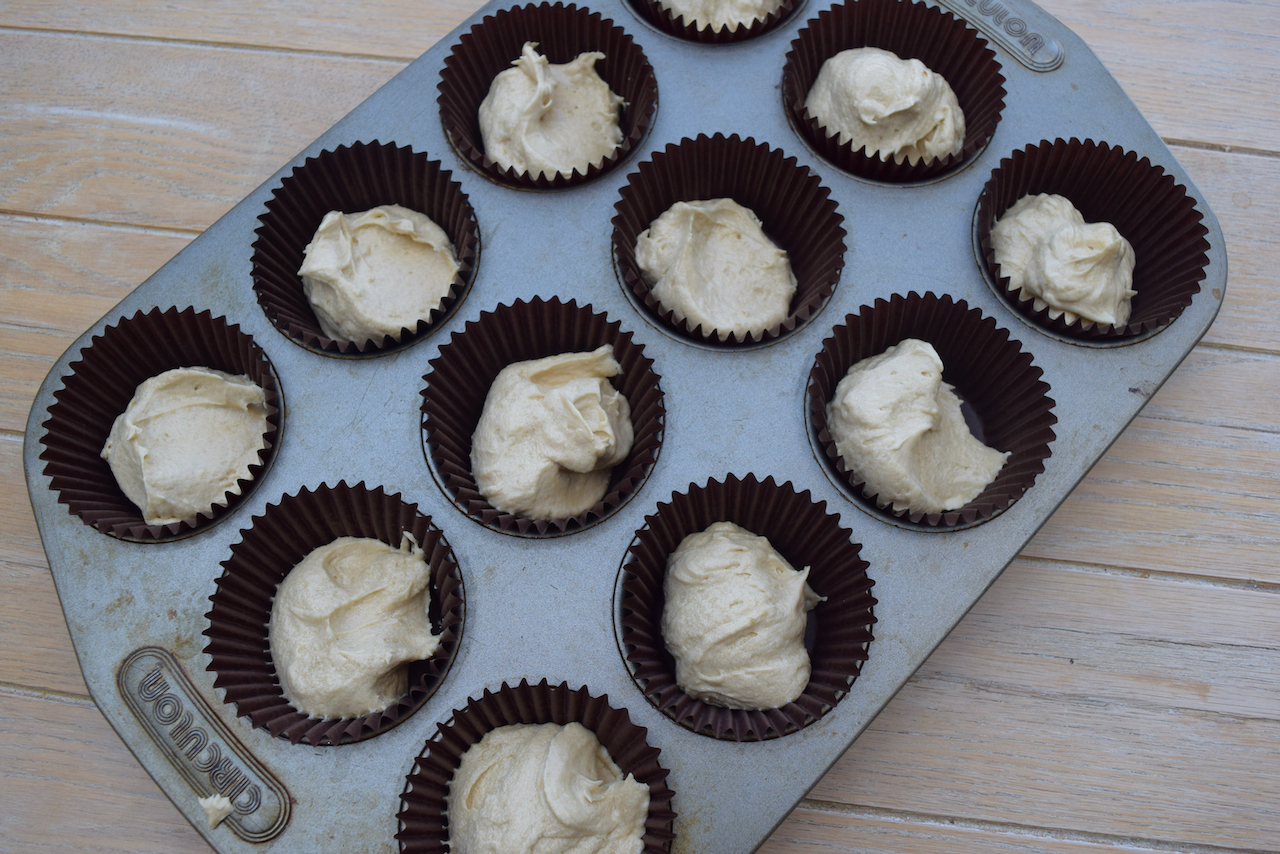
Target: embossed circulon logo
{"x":994,"y":17}
{"x":200,"y":746}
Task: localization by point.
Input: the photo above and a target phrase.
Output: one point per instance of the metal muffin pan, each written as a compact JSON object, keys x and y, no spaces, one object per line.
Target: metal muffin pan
{"x":547,"y":608}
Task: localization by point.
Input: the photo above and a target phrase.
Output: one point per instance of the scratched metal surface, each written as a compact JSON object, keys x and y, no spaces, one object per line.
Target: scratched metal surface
{"x":546,"y":608}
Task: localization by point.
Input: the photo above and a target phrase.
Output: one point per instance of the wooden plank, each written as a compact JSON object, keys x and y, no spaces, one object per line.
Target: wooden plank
{"x":1083,"y":692}
{"x":87,"y":267}
{"x":159,"y":134}
{"x":232,"y":121}
{"x":36,"y":645}
{"x":70,"y":784}
{"x":401,"y":29}
{"x":1197,"y":71}
{"x":33,"y":632}
{"x":1240,"y":191}
{"x":1159,"y":725}
{"x":56,"y":280}
{"x":1186,"y":77}
{"x":68,"y":750}
{"x":1123,"y":705}
{"x":810,"y":830}
{"x":137,"y":193}
{"x":17,"y":522}
{"x":1193,"y":482}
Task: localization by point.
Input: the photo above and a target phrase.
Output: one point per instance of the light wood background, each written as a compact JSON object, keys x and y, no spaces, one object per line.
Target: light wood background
{"x":1118,"y":689}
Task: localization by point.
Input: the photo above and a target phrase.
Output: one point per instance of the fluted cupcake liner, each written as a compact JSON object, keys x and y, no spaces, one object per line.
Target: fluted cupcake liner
{"x":278,"y":540}
{"x":796,"y":210}
{"x":424,"y":816}
{"x":944,"y":43}
{"x":674,"y":24}
{"x":561,"y":33}
{"x":1106,"y":184}
{"x":352,"y":179}
{"x":1001,"y":391}
{"x":98,"y":389}
{"x":453,"y":401}
{"x":839,"y":631}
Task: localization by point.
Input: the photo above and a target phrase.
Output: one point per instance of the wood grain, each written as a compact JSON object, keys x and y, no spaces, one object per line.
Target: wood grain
{"x":1112,"y":686}
{"x":133,"y":816}
{"x":56,"y":280}
{"x":394,"y":28}
{"x":1198,"y":71}
{"x":870,"y":831}
{"x":1240,"y":189}
{"x":71,"y":785}
{"x":1115,"y":690}
{"x":159,"y":134}
{"x":1185,"y":64}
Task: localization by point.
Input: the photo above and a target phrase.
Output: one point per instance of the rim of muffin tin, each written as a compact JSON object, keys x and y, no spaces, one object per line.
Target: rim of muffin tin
{"x":354,"y":178}
{"x":97,"y":389}
{"x":669,"y":23}
{"x":562,"y":32}
{"x":838,"y":634}
{"x":1106,"y":183}
{"x":795,"y":208}
{"x":995,"y":378}
{"x":274,"y":543}
{"x":423,"y":820}
{"x":945,"y":43}
{"x":455,"y":390}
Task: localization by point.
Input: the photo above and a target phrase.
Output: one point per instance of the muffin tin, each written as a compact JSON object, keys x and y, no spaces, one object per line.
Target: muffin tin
{"x":546,"y":604}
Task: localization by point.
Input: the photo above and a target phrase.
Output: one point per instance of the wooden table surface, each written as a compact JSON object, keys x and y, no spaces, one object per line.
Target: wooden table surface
{"x":1118,"y":689}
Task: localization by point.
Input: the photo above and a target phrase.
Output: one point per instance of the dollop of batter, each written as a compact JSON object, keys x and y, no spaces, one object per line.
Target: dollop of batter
{"x":543,"y":118}
{"x":185,"y":440}
{"x":711,"y":264}
{"x":886,"y":106}
{"x":544,"y":789}
{"x":549,"y":434}
{"x":721,"y":14}
{"x":346,"y":621}
{"x":898,"y":426}
{"x":734,"y":619}
{"x":216,"y":807}
{"x":1077,"y":269}
{"x":377,"y":272}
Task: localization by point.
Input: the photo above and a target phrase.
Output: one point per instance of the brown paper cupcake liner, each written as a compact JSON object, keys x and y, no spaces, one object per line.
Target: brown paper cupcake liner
{"x":1004,"y":400}
{"x":1106,"y":184}
{"x":98,"y":389}
{"x":424,"y":818}
{"x":839,"y":630}
{"x":459,"y":382}
{"x":352,"y":179}
{"x":273,"y":544}
{"x":673,"y":24}
{"x":798,"y":213}
{"x":912,"y":30}
{"x":561,"y":32}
